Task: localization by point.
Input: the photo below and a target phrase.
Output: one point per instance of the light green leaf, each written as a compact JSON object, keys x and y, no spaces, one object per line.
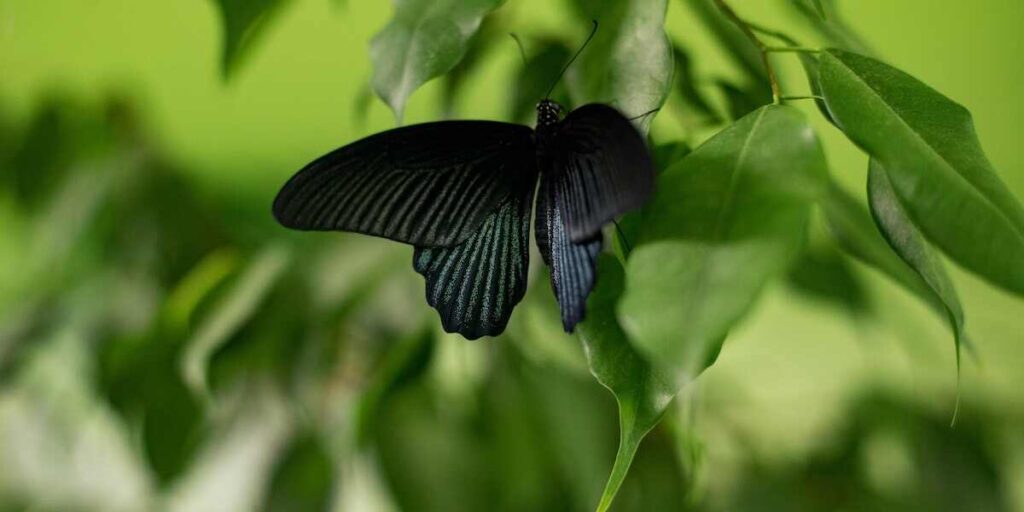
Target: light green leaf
{"x":424,"y":40}
{"x":930,"y":151}
{"x":906,"y":240}
{"x":642,"y":391}
{"x":629,"y":62}
{"x":243,"y":21}
{"x":724,"y":221}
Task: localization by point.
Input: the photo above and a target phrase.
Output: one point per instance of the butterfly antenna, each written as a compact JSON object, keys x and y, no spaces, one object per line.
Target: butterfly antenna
{"x":573,"y":59}
{"x":522,"y":52}
{"x":645,"y":114}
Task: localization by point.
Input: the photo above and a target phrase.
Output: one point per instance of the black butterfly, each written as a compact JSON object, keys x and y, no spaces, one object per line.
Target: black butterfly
{"x":461,"y":193}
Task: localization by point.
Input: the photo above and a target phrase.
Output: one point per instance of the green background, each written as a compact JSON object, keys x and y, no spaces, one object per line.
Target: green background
{"x":785,"y":376}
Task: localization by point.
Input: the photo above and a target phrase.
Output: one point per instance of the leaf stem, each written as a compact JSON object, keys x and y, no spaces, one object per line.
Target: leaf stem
{"x":762,"y":48}
{"x":791,"y":49}
{"x":808,"y":97}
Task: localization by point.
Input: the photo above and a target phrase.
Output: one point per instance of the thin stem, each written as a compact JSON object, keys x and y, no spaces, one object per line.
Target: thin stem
{"x":791,"y":49}
{"x":809,"y":97}
{"x":745,"y":28}
{"x":761,"y":29}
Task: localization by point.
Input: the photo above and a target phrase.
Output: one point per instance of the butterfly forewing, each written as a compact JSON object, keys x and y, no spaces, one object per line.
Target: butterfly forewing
{"x":572,"y":264}
{"x":475,"y":285}
{"x":600,"y":169}
{"x":431,"y":184}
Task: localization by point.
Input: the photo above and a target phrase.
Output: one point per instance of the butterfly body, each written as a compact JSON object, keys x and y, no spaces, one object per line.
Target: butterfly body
{"x":461,"y":192}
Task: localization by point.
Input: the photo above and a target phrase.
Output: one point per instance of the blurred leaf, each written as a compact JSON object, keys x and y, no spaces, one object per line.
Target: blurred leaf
{"x":736,"y":43}
{"x":744,"y":100}
{"x":642,"y":392}
{"x":243,"y":21}
{"x":629,"y":62}
{"x":724,"y":221}
{"x":907,"y":241}
{"x":824,"y":273}
{"x":667,"y":154}
{"x":814,"y":5}
{"x":425,"y":39}
{"x":930,"y":151}
{"x":403,"y":363}
{"x":303,"y":479}
{"x":477,"y":47}
{"x":696,"y":110}
{"x":854,"y":229}
{"x":536,"y":76}
{"x":825,"y":18}
{"x":231,"y":311}
{"x":232,"y":469}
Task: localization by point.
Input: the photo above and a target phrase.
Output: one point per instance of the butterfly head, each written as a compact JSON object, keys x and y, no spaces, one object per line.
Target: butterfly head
{"x":548,"y":113}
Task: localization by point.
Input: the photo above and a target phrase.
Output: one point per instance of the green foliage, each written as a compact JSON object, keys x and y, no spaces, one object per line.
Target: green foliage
{"x":908,"y":243}
{"x":927,"y":145}
{"x":629,"y":63}
{"x":243,"y":21}
{"x":642,"y":391}
{"x":425,"y":39}
{"x":723,"y":222}
{"x":165,"y":339}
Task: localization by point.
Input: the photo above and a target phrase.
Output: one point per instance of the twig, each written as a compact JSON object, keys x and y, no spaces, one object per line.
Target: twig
{"x":762,"y":48}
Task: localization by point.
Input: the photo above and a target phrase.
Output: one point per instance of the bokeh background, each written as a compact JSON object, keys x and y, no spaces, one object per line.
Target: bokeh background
{"x":163,"y":345}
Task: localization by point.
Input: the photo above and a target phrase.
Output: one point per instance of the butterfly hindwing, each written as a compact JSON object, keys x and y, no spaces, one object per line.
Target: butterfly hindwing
{"x":600,"y":169}
{"x":573,"y":264}
{"x":475,"y":285}
{"x":430,"y":184}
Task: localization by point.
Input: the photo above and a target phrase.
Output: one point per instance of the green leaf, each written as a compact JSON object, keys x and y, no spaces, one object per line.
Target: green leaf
{"x":824,"y":273}
{"x":906,"y":240}
{"x":825,"y":18}
{"x":642,"y":391}
{"x":697,"y":110}
{"x":742,"y":50}
{"x":425,"y":39}
{"x":853,"y":228}
{"x":243,"y":21}
{"x":930,"y":151}
{"x":535,"y":77}
{"x":629,"y":62}
{"x":303,"y":478}
{"x":229,"y":314}
{"x":724,"y":221}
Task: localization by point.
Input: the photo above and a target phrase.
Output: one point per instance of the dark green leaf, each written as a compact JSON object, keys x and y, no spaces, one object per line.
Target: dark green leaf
{"x":929,"y":149}
{"x":724,"y":221}
{"x":534,"y":79}
{"x":853,"y":228}
{"x":824,"y":273}
{"x":424,"y":40}
{"x":744,"y":100}
{"x":743,"y":51}
{"x":825,"y":18}
{"x":642,"y":392}
{"x":304,"y":479}
{"x":629,"y":62}
{"x":697,"y":111}
{"x":906,"y":240}
{"x":242,"y":22}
